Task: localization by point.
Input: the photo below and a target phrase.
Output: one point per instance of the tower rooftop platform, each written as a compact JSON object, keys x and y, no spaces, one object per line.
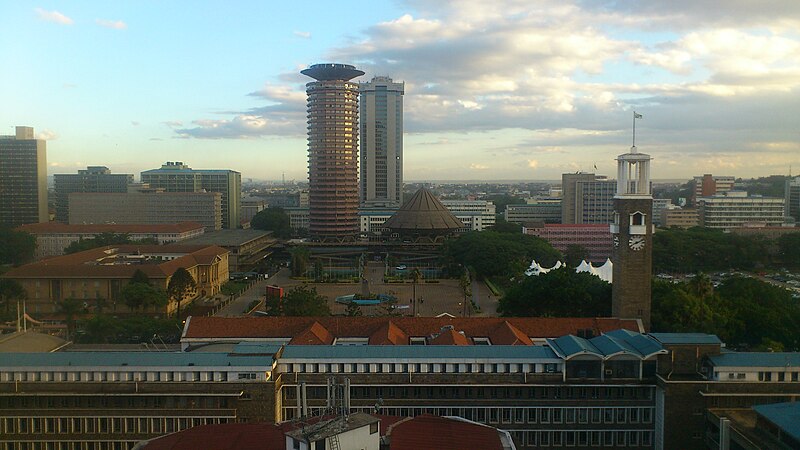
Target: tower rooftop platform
{"x":332,"y":71}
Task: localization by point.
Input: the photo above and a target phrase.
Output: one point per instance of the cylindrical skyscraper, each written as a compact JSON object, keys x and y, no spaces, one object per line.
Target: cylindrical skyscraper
{"x":333,"y":151}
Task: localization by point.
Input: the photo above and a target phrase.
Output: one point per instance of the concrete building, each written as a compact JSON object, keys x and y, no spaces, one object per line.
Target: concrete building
{"x":52,"y":237}
{"x":547,"y":210}
{"x":333,"y":151}
{"x":587,"y":198}
{"x":595,"y":238}
{"x":477,"y":215}
{"x":791,"y":199}
{"x":659,"y":205}
{"x":148,"y":206}
{"x":247,"y":247}
{"x":677,"y":216}
{"x":250,"y":207}
{"x":179,"y":177}
{"x":381,"y":153}
{"x":112,"y":400}
{"x":91,"y":179}
{"x":709,"y":185}
{"x":102,"y":272}
{"x":23,"y":179}
{"x":735,"y":209}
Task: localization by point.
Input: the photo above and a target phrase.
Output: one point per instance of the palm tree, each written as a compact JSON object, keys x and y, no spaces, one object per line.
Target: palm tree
{"x":11,"y":290}
{"x":69,"y":307}
{"x":180,"y":284}
{"x":416,"y":275}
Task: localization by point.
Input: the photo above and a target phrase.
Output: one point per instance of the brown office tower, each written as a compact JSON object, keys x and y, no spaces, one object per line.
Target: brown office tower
{"x":333,"y":151}
{"x":632,"y":235}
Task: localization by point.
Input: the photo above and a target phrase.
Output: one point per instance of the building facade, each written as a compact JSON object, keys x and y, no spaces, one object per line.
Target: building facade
{"x":97,"y":276}
{"x":596,"y":239}
{"x":247,"y":248}
{"x":52,"y":238}
{"x":632,"y":230}
{"x":179,"y":177}
{"x":709,"y":185}
{"x":381,"y":153}
{"x":587,"y":198}
{"x":147,"y":206}
{"x":736,"y":209}
{"x":91,"y":179}
{"x":677,"y":216}
{"x":547,"y":210}
{"x":23,"y":179}
{"x":333,"y":151}
{"x":791,"y":199}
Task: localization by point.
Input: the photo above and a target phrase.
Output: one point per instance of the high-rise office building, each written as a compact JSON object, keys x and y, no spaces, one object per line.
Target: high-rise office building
{"x":91,"y":179}
{"x":709,"y":185}
{"x":587,"y":198}
{"x":381,"y":119}
{"x":333,"y":151}
{"x":791,"y":199}
{"x":179,"y":177}
{"x":23,"y":179}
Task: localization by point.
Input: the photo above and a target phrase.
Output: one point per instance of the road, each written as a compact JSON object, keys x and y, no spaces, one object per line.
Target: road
{"x":257,"y":291}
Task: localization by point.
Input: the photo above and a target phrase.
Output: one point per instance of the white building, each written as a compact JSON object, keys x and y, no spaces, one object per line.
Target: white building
{"x":735,"y":209}
{"x":381,"y":120}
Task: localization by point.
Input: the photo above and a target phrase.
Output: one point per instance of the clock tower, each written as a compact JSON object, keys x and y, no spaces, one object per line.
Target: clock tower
{"x":632,"y":234}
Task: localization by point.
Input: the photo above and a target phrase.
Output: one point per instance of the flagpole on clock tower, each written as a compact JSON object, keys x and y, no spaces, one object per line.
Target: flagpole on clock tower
{"x":635,"y":116}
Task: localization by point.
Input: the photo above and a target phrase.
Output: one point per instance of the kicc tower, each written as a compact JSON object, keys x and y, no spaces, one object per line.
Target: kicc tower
{"x":333,"y":151}
{"x":632,"y":233}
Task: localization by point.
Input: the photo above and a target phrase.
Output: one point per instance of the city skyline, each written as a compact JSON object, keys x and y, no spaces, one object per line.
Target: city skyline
{"x":515,"y":91}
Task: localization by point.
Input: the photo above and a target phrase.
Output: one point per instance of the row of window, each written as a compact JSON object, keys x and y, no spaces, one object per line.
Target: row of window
{"x":129,"y":376}
{"x":419,"y":367}
{"x":594,"y":438}
{"x":57,"y":445}
{"x":116,"y":402}
{"x":102,"y":425}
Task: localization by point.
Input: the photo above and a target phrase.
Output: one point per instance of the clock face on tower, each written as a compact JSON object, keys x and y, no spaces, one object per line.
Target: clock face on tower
{"x":636,"y":243}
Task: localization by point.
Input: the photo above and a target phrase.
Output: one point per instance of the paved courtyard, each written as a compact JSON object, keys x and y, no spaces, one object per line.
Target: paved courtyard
{"x":444,"y":296}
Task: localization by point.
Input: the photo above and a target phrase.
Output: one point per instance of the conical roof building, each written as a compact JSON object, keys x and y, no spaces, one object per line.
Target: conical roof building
{"x":423,"y":213}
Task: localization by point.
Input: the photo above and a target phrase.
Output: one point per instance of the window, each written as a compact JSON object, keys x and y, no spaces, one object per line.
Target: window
{"x":373,"y":428}
{"x":556,"y":415}
{"x":531,"y":415}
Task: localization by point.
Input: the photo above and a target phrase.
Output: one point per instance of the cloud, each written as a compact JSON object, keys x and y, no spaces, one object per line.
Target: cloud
{"x":532,"y":163}
{"x":113,"y":24}
{"x":173,"y":123}
{"x":302,"y":34}
{"x":69,"y":85}
{"x":47,"y":135}
{"x":135,"y":123}
{"x":476,"y":166}
{"x":53,"y":16}
{"x":240,"y":127}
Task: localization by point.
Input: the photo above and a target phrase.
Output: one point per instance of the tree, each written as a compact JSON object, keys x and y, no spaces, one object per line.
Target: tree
{"x":10,"y":291}
{"x":273,"y":219}
{"x":100,"y":240}
{"x":575,"y":254}
{"x":70,"y":307}
{"x":300,"y":259}
{"x":16,"y":247}
{"x":140,"y":277}
{"x":180,"y":283}
{"x":305,"y":301}
{"x":353,"y":310}
{"x":501,"y":226}
{"x":416,"y":275}
{"x":491,"y":253}
{"x":558,"y":293}
{"x":99,"y":328}
{"x":789,"y":245}
{"x":137,"y":295}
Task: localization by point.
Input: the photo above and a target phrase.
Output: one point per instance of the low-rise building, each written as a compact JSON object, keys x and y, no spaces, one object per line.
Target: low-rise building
{"x":247,"y":247}
{"x":100,"y":274}
{"x":53,"y":237}
{"x":595,"y":238}
{"x":547,"y":210}
{"x":143,"y":205}
{"x":735,"y":209}
{"x":680,"y":217}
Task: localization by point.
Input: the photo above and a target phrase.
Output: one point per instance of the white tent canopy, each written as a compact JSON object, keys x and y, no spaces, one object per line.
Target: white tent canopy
{"x":604,"y":272}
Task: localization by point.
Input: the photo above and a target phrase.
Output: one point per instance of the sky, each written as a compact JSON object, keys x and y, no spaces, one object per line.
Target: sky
{"x":501,"y":90}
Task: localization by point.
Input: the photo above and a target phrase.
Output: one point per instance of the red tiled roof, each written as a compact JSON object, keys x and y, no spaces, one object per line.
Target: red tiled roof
{"x":388,"y":334}
{"x":229,"y":436}
{"x":315,"y":334}
{"x":428,"y":432}
{"x":450,"y":337}
{"x":76,"y":265}
{"x":288,"y":327}
{"x":507,"y":334}
{"x":57,"y":227}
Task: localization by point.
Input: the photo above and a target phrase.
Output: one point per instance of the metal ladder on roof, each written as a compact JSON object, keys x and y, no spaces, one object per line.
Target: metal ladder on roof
{"x":334,"y":440}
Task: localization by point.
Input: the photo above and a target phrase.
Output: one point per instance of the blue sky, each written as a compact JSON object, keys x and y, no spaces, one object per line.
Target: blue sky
{"x":515,"y":89}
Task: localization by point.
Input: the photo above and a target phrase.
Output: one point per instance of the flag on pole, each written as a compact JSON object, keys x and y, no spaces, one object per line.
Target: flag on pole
{"x":636,"y":115}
